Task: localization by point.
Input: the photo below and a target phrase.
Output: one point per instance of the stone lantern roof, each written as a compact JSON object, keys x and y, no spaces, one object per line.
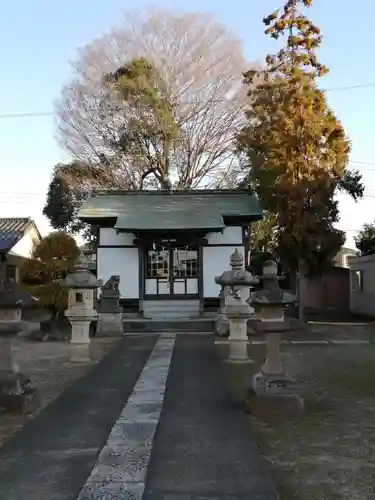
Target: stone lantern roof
{"x":271,"y":294}
{"x":81,"y":277}
{"x":238,"y":275}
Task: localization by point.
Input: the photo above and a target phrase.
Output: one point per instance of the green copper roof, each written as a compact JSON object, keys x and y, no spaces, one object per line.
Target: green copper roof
{"x":169,"y":210}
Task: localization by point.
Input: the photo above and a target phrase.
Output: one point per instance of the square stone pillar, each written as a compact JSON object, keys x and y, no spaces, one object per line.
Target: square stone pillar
{"x":80,"y":341}
{"x":237,"y":311}
{"x":109,"y":310}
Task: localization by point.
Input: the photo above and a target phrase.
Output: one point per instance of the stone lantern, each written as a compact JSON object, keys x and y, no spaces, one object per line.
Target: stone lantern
{"x":16,"y":392}
{"x":271,"y":302}
{"x":237,"y":284}
{"x":81,"y":312}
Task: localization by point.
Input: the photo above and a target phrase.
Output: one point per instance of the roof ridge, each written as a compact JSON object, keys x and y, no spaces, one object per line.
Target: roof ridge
{"x":16,"y":218}
{"x":170,"y":192}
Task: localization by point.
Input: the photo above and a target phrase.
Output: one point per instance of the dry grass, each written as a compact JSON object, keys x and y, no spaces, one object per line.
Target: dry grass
{"x":47,"y":364}
{"x":330,"y":452}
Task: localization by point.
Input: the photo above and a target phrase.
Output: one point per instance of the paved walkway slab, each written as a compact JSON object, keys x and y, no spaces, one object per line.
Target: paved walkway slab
{"x":52,"y":456}
{"x":120,"y":471}
{"x":203,"y":447}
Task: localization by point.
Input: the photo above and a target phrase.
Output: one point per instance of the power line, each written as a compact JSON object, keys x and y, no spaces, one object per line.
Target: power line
{"x":39,"y":114}
{"x":350,"y":87}
{"x":365,"y":166}
{"x":35,"y":114}
{"x":363,"y":162}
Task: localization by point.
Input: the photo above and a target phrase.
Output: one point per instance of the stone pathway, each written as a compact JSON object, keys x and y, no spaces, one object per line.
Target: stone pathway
{"x":120,"y":470}
{"x":52,"y":456}
{"x":153,"y":420}
{"x":203,"y":448}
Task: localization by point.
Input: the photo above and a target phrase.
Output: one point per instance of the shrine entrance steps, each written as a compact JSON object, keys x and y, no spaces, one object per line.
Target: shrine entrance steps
{"x":171,"y":309}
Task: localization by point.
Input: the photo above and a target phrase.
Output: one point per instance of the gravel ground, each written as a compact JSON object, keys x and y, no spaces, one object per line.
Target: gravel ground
{"x":47,"y":364}
{"x":330,"y":453}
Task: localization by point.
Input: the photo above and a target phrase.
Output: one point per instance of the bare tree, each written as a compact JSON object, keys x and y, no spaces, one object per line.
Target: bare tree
{"x":201,"y":63}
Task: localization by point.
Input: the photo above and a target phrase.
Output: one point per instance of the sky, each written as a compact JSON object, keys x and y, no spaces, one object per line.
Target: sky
{"x":40,"y":38}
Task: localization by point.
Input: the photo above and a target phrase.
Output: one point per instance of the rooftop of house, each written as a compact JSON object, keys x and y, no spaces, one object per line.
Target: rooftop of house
{"x":12,"y":229}
{"x":348,"y":250}
{"x":171,"y":210}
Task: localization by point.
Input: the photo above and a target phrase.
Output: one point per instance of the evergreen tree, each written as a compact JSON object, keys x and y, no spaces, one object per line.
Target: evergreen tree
{"x":296,"y":149}
{"x":365,"y":239}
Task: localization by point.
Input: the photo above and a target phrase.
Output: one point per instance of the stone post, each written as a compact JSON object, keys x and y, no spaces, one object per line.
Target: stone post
{"x":236,"y":284}
{"x":110,"y":312}
{"x":81,"y":284}
{"x":16,"y":392}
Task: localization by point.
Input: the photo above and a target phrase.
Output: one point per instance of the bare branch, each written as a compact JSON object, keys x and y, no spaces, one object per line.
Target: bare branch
{"x":201,"y":63}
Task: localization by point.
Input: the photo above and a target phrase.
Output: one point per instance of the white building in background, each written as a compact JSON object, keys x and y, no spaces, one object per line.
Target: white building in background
{"x":168,"y":246}
{"x":341,"y":259}
{"x":18,"y":238}
{"x":362,"y":285}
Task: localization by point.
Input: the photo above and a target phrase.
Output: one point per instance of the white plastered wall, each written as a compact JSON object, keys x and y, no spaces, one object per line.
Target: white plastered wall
{"x":115,"y":259}
{"x":216,"y":257}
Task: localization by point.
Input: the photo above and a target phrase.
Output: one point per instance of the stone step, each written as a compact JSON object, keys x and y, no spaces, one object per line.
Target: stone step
{"x":181,"y":325}
{"x":171,"y":309}
{"x":172,"y":305}
{"x":181,"y":310}
{"x":177,"y":315}
{"x":178,"y":312}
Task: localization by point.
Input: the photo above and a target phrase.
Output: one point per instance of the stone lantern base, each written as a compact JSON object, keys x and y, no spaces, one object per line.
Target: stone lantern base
{"x":275,"y":408}
{"x":275,"y":395}
{"x":80,"y":352}
{"x":17,"y":395}
{"x":16,"y":392}
{"x":272,"y":387}
{"x":272,"y":384}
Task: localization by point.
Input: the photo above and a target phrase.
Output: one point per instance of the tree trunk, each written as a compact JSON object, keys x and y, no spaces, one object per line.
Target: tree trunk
{"x":293,"y":281}
{"x":59,"y":326}
{"x":302,"y":291}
